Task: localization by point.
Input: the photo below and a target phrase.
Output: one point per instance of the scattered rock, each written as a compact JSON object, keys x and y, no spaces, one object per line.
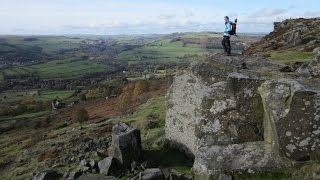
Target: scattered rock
{"x":126,"y":144}
{"x":94,"y":164}
{"x":83,"y":162}
{"x":96,"y":177}
{"x":107,"y":166}
{"x":314,"y":66}
{"x":304,"y":69}
{"x":316,"y":50}
{"x":84,"y":165}
{"x":74,"y":175}
{"x":47,"y":175}
{"x":152,"y":174}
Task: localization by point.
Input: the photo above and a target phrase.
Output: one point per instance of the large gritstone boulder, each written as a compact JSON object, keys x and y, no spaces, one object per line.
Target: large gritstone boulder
{"x":230,"y":118}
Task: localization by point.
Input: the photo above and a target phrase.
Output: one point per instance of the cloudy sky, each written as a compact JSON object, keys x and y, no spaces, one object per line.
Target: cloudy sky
{"x":109,"y":17}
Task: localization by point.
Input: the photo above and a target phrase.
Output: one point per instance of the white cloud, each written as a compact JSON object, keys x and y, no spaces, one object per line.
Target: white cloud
{"x":269,"y":12}
{"x":122,"y":16}
{"x":312,"y":14}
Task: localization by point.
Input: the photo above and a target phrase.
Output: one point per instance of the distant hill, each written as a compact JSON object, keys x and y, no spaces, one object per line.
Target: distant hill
{"x":292,"y":34}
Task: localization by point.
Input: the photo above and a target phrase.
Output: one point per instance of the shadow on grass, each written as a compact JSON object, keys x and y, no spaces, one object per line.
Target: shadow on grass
{"x":168,"y":158}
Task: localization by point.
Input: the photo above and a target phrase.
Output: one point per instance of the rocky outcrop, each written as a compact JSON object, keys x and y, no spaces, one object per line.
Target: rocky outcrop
{"x":230,"y":119}
{"x":302,"y":34}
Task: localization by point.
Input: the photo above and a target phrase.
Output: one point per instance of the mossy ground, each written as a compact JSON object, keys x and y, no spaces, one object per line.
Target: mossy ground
{"x":291,"y":56}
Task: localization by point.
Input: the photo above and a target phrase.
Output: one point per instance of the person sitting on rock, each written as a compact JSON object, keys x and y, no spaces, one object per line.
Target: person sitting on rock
{"x":226,"y":36}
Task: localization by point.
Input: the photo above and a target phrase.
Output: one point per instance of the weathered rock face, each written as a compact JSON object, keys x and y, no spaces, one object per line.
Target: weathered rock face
{"x":230,"y":118}
{"x":294,"y":113}
{"x":126,"y":144}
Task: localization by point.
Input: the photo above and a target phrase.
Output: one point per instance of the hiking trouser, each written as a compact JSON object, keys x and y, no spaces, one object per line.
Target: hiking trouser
{"x":226,"y":44}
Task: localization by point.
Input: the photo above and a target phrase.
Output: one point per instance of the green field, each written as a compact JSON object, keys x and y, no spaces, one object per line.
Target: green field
{"x":163,"y":51}
{"x":202,"y":35}
{"x":44,"y":95}
{"x":49,"y":95}
{"x":59,"y":69}
{"x":4,"y":48}
{"x":47,"y":43}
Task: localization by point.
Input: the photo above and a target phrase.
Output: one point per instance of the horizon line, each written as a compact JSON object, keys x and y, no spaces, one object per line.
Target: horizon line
{"x":136,"y":34}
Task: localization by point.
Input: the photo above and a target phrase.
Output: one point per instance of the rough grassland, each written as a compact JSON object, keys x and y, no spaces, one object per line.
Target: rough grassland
{"x":291,"y":56}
